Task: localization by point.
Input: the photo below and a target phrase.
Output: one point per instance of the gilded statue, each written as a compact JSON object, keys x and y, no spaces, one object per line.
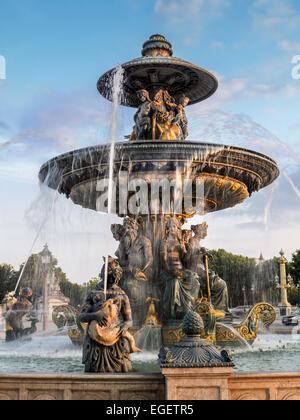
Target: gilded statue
{"x":161,"y":119}
{"x":107,"y":343}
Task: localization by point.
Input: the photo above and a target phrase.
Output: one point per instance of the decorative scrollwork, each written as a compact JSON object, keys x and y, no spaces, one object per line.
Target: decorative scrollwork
{"x":248,"y":329}
{"x":65,"y":316}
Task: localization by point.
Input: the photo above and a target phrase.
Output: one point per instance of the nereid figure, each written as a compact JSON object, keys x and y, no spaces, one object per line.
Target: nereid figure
{"x":112,"y":311}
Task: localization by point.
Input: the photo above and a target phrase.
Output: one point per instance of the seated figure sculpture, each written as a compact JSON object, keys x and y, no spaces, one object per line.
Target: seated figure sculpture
{"x":181,"y":286}
{"x":136,"y":259}
{"x":195,"y":260}
{"x":108,"y":344}
{"x":134,"y":252}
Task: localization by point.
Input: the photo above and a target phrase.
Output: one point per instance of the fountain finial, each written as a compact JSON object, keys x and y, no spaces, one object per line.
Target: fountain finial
{"x":157,"y":45}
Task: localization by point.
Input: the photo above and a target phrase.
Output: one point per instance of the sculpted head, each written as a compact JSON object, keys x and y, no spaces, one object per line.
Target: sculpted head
{"x":143,"y":95}
{"x":200,"y":230}
{"x":131,"y":228}
{"x":117,"y":231}
{"x":26,"y":292}
{"x":186,"y":235}
{"x":114,"y":272}
{"x":173,"y":227}
{"x":183,"y":100}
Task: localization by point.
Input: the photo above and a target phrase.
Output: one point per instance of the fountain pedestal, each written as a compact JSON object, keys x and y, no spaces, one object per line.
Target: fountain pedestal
{"x":197,"y":383}
{"x":194,"y":369}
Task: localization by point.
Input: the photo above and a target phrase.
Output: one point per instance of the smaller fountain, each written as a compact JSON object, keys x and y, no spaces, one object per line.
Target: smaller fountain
{"x":18,"y":308}
{"x":149,"y":336}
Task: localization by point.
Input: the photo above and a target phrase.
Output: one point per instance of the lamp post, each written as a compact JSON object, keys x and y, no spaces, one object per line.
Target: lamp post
{"x":46,"y":259}
{"x":284,"y":306}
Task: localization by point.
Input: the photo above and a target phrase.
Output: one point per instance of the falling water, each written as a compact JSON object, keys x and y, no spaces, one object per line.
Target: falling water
{"x":236,"y":334}
{"x":117,"y":84}
{"x":292,"y":184}
{"x":39,"y":230}
{"x":269,"y":203}
{"x":23,"y":136}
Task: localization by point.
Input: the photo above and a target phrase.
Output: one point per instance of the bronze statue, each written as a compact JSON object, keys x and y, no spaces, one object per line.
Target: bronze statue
{"x":181,"y":286}
{"x":196,"y":261}
{"x":107,"y":346}
{"x":118,"y":233}
{"x":142,"y":128}
{"x":135,"y":251}
{"x":161,"y":119}
{"x":136,"y":259}
{"x":14,"y":319}
{"x":181,"y":118}
{"x":194,"y":258}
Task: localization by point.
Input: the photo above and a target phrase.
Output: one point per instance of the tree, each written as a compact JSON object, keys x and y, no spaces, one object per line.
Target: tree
{"x":8,"y":279}
{"x":247,"y":282}
{"x":294,"y":271}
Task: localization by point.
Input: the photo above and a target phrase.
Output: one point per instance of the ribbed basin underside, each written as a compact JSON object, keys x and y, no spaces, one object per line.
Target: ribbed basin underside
{"x":228,"y":174}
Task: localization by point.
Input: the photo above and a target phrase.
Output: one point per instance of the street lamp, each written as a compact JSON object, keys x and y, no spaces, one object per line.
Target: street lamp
{"x":46,"y":260}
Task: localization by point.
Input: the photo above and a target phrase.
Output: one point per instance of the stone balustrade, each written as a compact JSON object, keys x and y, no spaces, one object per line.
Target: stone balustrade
{"x":140,"y":386}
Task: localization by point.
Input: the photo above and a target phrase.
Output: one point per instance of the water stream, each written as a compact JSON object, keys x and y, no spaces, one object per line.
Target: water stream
{"x":117,"y":85}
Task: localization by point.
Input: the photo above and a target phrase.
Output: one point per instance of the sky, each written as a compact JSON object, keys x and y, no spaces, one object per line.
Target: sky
{"x":55,"y":51}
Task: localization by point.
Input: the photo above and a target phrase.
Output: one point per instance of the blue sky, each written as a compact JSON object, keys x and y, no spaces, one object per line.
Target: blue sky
{"x":56,"y":50}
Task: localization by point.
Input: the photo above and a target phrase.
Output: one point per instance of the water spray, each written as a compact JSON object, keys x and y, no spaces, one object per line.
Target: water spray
{"x":117,"y":84}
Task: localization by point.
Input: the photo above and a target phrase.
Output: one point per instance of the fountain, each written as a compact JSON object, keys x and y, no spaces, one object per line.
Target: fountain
{"x":156,"y":181}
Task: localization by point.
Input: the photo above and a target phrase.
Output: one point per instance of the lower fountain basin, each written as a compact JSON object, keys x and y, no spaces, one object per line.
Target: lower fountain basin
{"x":228,"y":174}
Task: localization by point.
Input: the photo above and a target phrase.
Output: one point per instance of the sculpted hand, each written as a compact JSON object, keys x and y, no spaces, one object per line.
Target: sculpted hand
{"x":123,"y":330}
{"x":101,"y":318}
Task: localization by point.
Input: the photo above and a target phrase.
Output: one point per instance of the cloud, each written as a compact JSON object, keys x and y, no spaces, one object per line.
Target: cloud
{"x":177,"y":11}
{"x":274,"y":14}
{"x":228,"y":89}
{"x":217,"y":44}
{"x":289,"y":46}
{"x":262,"y":91}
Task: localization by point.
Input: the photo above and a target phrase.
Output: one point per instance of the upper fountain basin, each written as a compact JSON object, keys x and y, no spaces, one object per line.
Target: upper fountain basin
{"x":173,"y":74}
{"x":229,"y":174}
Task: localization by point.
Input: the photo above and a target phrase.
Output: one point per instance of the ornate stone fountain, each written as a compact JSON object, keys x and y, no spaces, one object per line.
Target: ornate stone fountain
{"x":160,"y":180}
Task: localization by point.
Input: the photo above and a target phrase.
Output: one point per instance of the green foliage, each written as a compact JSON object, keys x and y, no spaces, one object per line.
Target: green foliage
{"x":247,"y":282}
{"x":76,"y":292}
{"x":91,"y":285}
{"x":293,"y":296}
{"x":73,"y":291}
{"x":294,"y":267}
{"x":8,"y":279}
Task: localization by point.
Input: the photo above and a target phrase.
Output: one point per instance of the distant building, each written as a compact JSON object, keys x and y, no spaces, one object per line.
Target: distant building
{"x":259,"y":260}
{"x":55,"y":296}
